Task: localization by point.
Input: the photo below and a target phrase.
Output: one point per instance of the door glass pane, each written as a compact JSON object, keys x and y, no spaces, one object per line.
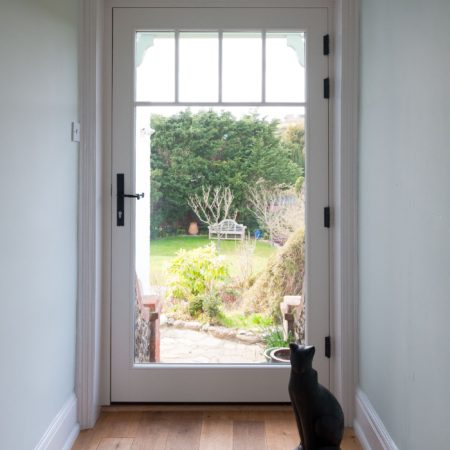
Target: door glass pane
{"x":285,"y":67}
{"x":208,"y":292}
{"x":155,"y":66}
{"x":241,"y":67}
{"x":199,"y":67}
{"x":142,"y":305}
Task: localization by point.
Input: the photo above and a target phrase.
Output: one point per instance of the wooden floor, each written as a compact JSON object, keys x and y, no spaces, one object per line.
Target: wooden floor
{"x":207,"y":428}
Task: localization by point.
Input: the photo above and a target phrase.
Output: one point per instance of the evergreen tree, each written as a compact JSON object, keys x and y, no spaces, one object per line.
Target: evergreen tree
{"x":213,"y":149}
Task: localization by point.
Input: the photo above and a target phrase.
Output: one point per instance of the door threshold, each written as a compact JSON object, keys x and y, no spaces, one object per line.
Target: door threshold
{"x":140,"y":407}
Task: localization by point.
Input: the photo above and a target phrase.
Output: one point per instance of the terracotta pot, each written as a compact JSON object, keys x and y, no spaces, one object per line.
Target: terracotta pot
{"x":193,"y":228}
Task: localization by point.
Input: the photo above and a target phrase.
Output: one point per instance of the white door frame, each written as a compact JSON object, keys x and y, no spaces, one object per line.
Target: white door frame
{"x":217,"y":382}
{"x":93,"y":310}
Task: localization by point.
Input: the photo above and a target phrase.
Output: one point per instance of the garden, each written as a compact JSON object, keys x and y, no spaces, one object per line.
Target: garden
{"x":210,"y":168}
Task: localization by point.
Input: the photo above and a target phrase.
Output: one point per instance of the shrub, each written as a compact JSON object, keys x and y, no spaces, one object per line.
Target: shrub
{"x":229,"y":295}
{"x":196,"y":306}
{"x":196,"y":272}
{"x":211,"y":304}
{"x":283,"y":276}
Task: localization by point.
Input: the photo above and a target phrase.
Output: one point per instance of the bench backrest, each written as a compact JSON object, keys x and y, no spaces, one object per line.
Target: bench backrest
{"x":227,"y":225}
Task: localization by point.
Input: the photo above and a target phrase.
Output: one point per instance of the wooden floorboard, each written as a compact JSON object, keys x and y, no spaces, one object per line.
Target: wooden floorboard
{"x":281,"y":430}
{"x":184,"y":431}
{"x":193,"y":429}
{"x":153,"y":432}
{"x":115,"y":443}
{"x":249,"y":435}
{"x":217,"y":432}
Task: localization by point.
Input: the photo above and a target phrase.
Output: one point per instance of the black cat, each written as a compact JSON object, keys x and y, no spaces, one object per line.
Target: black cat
{"x":319,"y":416}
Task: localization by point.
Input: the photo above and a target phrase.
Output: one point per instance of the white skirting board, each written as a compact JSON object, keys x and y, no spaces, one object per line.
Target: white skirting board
{"x":64,"y":429}
{"x":368,"y":426}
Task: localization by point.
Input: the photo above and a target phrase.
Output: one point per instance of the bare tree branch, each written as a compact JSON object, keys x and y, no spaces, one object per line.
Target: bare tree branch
{"x":278,"y":209}
{"x":213,"y":205}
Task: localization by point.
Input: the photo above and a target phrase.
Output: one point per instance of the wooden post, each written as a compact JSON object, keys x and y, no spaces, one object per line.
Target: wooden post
{"x":153,"y":303}
{"x":154,"y":343}
{"x":291,"y":308}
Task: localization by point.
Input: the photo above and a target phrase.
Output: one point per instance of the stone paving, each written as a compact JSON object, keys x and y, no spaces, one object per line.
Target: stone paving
{"x":189,"y":346}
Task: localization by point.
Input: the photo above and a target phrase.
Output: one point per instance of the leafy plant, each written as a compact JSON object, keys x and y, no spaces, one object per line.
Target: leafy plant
{"x":196,"y":306}
{"x":275,"y":338}
{"x":197,"y":271}
{"x":211,"y":304}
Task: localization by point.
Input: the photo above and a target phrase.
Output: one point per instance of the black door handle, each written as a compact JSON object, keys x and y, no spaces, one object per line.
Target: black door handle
{"x":136,"y":196}
{"x":120,"y":199}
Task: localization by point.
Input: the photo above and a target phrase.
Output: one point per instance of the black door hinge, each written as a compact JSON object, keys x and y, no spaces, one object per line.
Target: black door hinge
{"x":326,"y":45}
{"x":326,"y":217}
{"x":326,"y":88}
{"x":328,"y":346}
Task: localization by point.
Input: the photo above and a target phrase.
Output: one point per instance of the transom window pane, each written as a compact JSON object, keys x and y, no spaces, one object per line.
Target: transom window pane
{"x":241,"y":67}
{"x":199,"y":67}
{"x":244,"y":67}
{"x":155,"y":66}
{"x":285,"y":67}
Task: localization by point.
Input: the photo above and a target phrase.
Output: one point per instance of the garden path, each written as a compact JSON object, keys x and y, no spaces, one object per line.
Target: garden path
{"x":189,"y":346}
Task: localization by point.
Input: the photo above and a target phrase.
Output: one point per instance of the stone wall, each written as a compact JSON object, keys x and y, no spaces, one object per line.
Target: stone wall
{"x":141,"y":336}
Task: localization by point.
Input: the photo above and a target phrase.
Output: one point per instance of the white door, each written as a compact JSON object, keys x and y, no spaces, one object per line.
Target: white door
{"x":200,"y":80}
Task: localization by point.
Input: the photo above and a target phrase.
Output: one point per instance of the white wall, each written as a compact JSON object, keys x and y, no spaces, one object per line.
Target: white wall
{"x":404,"y":204}
{"x":38,"y":235}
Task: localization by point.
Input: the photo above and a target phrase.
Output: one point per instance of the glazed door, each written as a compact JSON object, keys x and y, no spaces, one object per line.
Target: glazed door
{"x":218,"y":113}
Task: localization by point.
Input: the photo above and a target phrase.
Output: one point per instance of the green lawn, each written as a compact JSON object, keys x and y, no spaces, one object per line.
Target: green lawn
{"x":162,"y":252}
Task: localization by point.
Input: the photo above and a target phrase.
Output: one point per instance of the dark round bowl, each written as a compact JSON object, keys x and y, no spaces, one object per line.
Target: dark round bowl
{"x":281,"y":354}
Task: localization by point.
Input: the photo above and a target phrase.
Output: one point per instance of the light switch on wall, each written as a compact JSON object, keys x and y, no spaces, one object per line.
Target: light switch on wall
{"x":75,"y":131}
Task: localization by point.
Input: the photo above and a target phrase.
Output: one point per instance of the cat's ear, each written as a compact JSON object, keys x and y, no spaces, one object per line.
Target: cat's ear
{"x":310,"y":351}
{"x":294,"y":347}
